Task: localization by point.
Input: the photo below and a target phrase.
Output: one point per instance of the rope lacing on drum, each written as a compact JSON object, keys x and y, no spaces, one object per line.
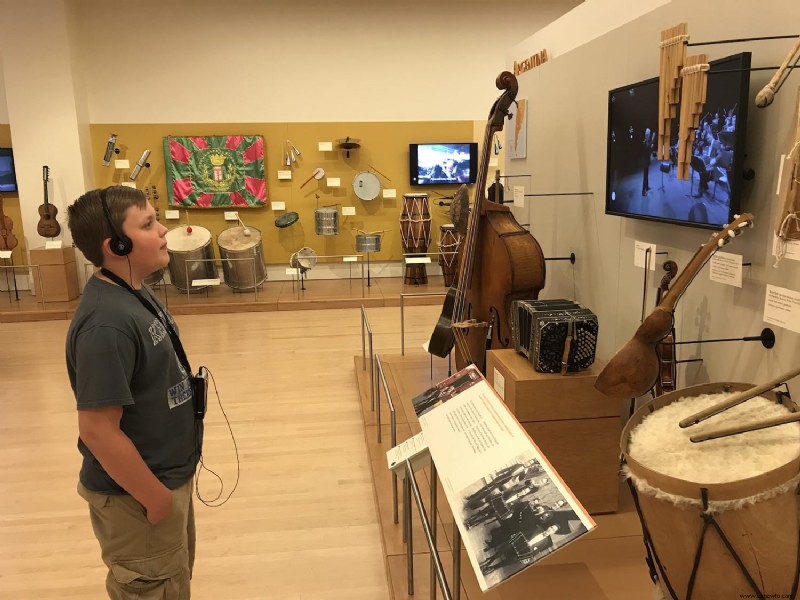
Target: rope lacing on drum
{"x":708,"y":519}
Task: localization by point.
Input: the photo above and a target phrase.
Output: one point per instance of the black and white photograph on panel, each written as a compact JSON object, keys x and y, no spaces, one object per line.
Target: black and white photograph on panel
{"x":446,"y":389}
{"x":515,"y":517}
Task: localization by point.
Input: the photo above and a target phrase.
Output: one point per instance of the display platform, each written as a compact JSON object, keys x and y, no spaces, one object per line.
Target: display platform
{"x":607,"y":563}
{"x":272,"y":296}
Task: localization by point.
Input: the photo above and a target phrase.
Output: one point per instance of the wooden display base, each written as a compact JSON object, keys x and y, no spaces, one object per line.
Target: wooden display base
{"x":607,"y":563}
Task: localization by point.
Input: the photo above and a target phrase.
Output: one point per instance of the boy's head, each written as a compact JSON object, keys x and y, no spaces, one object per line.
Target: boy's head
{"x":88,"y":223}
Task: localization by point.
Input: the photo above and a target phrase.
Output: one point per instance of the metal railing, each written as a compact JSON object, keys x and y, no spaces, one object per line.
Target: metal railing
{"x":366,"y":328}
{"x":382,"y":381}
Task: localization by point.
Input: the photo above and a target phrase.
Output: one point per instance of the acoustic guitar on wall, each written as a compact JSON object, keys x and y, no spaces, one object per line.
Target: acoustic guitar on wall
{"x":47,"y":226}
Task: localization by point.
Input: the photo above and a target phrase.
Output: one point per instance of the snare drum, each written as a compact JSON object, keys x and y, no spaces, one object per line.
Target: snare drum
{"x":236,"y":245}
{"x":368,"y":242}
{"x":185,"y":249}
{"x":449,"y":241}
{"x":326,"y":221}
{"x":415,"y":230}
{"x":742,"y":487}
{"x":366,"y":185}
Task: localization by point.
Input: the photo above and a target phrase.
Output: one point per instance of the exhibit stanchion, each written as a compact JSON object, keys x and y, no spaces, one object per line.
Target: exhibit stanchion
{"x":393,"y":417}
{"x":433,"y":529}
{"x":365,"y":325}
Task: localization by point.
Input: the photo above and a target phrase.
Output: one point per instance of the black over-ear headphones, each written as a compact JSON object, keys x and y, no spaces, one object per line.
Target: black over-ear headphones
{"x":121,"y":244}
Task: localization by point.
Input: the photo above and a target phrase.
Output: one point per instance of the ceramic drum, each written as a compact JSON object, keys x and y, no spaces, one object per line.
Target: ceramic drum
{"x":235,"y":245}
{"x":368,"y":242}
{"x":184,"y":250}
{"x":449,"y":241}
{"x":694,"y":496}
{"x":415,"y":230}
{"x":326,"y":221}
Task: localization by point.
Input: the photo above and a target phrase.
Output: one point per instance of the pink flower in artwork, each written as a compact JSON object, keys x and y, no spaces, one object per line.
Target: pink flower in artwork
{"x":178,"y":151}
{"x":256,"y":186}
{"x":204,"y":200}
{"x":237,"y":199}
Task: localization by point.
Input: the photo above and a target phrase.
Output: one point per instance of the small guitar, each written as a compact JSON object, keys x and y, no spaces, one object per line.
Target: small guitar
{"x":634,"y":369}
{"x":668,"y":369}
{"x":7,"y":239}
{"x":47,"y":226}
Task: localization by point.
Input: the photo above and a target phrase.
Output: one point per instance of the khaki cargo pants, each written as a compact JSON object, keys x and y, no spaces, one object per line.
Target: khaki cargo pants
{"x":145,"y":561}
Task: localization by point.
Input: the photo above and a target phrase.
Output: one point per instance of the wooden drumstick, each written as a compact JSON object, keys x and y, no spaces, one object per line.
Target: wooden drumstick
{"x":737,"y":429}
{"x":738,"y":399}
{"x":767,"y":93}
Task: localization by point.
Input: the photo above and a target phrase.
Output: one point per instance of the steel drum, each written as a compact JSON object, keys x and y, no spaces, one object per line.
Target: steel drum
{"x":326,"y":221}
{"x":366,"y":185}
{"x":235,"y":243}
{"x":184,"y":247}
{"x":368,"y":242}
{"x":287,"y":219}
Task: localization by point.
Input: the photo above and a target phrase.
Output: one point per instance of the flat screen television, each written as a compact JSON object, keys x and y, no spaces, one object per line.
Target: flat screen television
{"x":443,"y":163}
{"x":8,"y":176}
{"x":639,"y":185}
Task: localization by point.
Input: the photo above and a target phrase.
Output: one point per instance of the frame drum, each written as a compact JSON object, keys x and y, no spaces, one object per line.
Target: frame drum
{"x":366,"y":185}
{"x":184,"y":247}
{"x":720,"y":518}
{"x":287,"y":219}
{"x":368,"y":242}
{"x":235,"y":244}
{"x":326,"y":221}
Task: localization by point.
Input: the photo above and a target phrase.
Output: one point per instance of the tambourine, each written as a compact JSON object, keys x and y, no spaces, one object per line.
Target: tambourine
{"x":287,"y":219}
{"x":366,"y":185}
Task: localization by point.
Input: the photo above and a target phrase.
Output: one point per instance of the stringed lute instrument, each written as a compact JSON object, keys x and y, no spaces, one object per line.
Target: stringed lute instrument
{"x":634,"y":369}
{"x":667,"y":367}
{"x":47,"y":225}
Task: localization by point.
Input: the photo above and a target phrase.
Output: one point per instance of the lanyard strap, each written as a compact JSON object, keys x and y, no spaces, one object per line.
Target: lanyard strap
{"x":173,"y":335}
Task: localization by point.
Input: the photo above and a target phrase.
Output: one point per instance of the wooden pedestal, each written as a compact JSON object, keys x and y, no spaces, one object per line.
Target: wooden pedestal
{"x":59,"y":274}
{"x":575,"y":426}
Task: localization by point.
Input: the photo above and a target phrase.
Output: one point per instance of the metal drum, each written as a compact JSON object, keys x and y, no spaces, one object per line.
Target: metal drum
{"x":415,"y":230}
{"x":449,"y":240}
{"x":368,"y":242}
{"x":366,"y":185}
{"x":326,"y":221}
{"x":184,"y":247}
{"x":235,"y":243}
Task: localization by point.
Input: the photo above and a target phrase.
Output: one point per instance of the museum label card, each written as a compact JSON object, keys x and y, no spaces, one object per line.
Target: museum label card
{"x":171,"y":214}
{"x":639,"y":252}
{"x":519,"y":195}
{"x":350,"y":259}
{"x":414,"y":449}
{"x":348,"y":211}
{"x":500,"y":384}
{"x":53,"y":245}
{"x":417,"y":260}
{"x":278,"y":205}
{"x":291,"y":271}
{"x":782,"y":308}
{"x":287,"y":174}
{"x":6,"y":254}
{"x":231,"y":215}
{"x":726,"y":268}
{"x":122,"y":164}
{"x":792,"y":248}
{"x":390,"y":193}
{"x":333,"y":181}
{"x":325,"y":146}
{"x":196,"y":282}
{"x":129,"y":184}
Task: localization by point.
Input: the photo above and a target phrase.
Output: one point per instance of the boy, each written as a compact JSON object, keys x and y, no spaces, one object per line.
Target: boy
{"x":138,"y":436}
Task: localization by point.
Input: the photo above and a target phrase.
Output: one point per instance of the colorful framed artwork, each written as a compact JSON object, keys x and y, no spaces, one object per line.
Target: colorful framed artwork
{"x":215,"y":171}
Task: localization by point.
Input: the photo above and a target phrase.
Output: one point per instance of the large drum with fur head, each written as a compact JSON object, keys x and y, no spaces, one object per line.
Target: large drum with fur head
{"x":721,"y":516}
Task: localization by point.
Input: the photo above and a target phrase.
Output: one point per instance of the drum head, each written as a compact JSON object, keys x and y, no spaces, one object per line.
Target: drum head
{"x":180,"y":240}
{"x":304,"y":259}
{"x":366,"y":185}
{"x":235,"y":238}
{"x":287,"y":219}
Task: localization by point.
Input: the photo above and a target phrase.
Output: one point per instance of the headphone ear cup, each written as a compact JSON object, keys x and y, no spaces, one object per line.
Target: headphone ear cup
{"x":121,"y":245}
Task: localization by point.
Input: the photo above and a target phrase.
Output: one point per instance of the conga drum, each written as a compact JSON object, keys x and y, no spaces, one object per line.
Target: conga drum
{"x":720,"y":517}
{"x":326,"y":221}
{"x":236,"y":244}
{"x":415,"y":231}
{"x":184,"y":250}
{"x":449,"y":240}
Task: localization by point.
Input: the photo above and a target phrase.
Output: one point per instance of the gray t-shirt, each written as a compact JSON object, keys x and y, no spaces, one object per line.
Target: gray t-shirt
{"x":120,"y":354}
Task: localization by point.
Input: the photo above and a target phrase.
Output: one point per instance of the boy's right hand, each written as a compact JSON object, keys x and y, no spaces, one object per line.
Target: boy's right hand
{"x":160,"y":506}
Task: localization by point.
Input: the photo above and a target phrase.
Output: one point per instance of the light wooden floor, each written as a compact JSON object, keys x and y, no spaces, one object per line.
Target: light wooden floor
{"x":302,"y":523}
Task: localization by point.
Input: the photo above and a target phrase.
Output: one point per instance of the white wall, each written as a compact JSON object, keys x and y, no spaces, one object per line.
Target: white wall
{"x":567,"y":152}
{"x":307,"y":60}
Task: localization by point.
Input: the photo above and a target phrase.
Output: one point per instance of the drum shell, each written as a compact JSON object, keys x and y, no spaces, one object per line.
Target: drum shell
{"x":764,"y":534}
{"x":239,"y":274}
{"x":449,"y":241}
{"x":180,"y":264}
{"x":415,"y":231}
{"x":326,"y":221}
{"x":368,"y":242}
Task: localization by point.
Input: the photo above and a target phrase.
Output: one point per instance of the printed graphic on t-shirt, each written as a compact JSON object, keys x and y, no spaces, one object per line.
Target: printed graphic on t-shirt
{"x":179,"y":393}
{"x":157,"y":331}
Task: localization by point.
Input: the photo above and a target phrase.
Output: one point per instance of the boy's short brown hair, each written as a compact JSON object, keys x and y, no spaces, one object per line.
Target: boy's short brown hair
{"x":88,"y":224}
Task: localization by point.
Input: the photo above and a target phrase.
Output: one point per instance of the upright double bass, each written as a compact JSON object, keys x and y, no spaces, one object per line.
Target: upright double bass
{"x":500,"y":262}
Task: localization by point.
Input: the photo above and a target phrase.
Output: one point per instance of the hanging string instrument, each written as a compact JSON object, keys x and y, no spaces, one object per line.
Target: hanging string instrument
{"x":47,"y":225}
{"x":668,"y":369}
{"x":7,"y":239}
{"x":634,"y":369}
{"x":500,"y":262}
